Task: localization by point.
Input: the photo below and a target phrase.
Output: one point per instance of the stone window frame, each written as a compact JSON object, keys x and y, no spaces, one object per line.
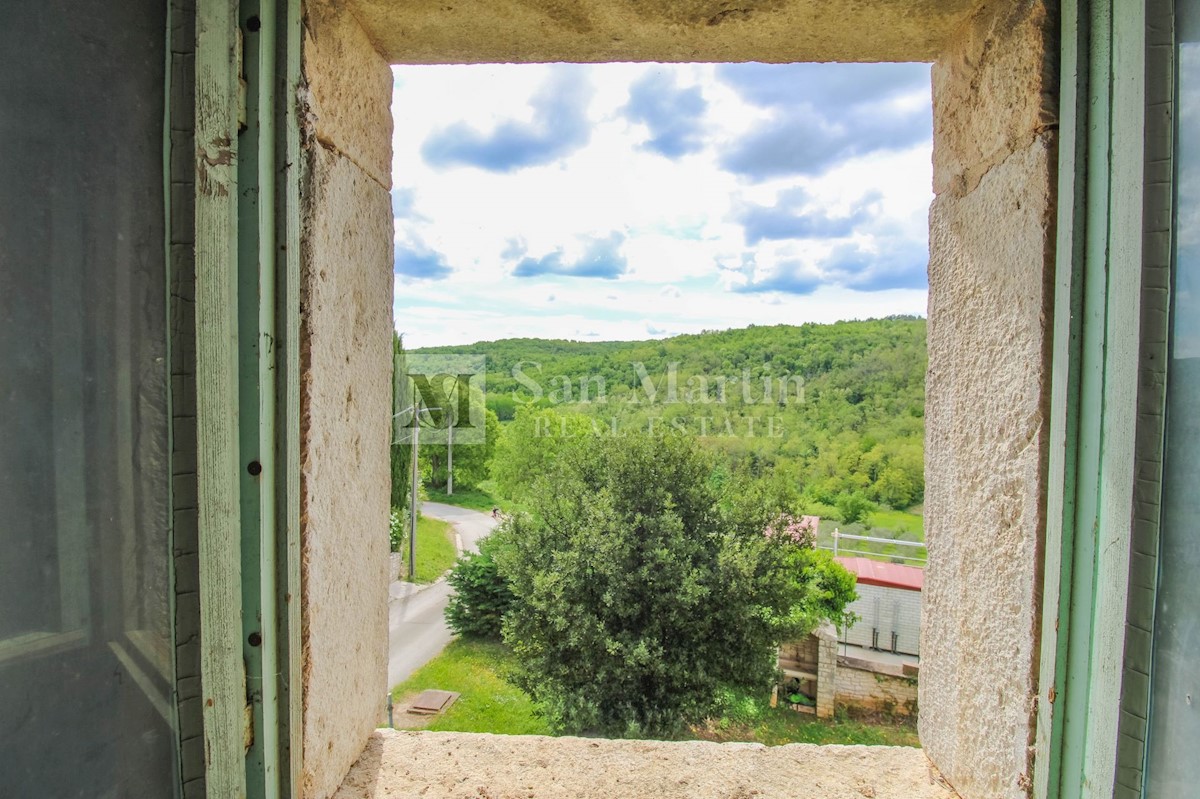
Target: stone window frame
{"x":984,"y":134}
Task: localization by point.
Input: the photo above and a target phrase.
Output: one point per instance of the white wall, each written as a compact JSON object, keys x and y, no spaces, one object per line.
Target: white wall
{"x":888,"y":610}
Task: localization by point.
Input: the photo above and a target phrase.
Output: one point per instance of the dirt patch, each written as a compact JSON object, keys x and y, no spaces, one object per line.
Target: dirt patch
{"x":404,"y":720}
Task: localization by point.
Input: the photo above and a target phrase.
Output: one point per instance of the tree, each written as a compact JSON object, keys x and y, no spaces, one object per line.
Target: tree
{"x":895,"y":488}
{"x":529,"y":445}
{"x":829,"y":588}
{"x":481,"y":596}
{"x":637,"y":596}
{"x":853,"y":506}
{"x":471,"y":460}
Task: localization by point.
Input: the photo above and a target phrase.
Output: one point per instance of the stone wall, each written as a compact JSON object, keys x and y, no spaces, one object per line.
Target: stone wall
{"x":843,"y":680}
{"x":346,"y":307}
{"x":501,"y":31}
{"x":992,"y":229}
{"x":859,"y":684}
{"x":991,"y":259}
{"x":826,"y":638}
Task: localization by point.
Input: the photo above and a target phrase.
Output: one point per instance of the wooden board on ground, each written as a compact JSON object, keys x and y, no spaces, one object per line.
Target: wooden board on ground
{"x":432,"y":701}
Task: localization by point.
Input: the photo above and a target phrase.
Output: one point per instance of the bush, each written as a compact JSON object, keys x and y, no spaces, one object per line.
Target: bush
{"x":853,"y":507}
{"x":397,"y":524}
{"x":481,"y":597}
{"x":639,"y":594}
{"x":828,"y":587}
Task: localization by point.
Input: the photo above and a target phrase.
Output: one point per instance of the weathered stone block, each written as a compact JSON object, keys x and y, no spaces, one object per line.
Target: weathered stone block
{"x":433,"y":32}
{"x":995,"y":89}
{"x":991,"y":261}
{"x":350,"y":90}
{"x":346,"y":296}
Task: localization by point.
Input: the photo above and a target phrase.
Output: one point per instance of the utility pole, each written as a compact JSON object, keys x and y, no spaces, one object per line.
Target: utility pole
{"x":450,"y":456}
{"x":412,"y":499}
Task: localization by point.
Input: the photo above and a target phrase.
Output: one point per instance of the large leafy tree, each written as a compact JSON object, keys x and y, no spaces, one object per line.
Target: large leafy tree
{"x":639,"y":594}
{"x":530,"y":444}
{"x":471,"y":459}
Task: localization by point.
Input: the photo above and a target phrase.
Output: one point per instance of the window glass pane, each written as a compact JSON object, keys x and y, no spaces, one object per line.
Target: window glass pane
{"x":85,"y":656}
{"x":1173,"y":767}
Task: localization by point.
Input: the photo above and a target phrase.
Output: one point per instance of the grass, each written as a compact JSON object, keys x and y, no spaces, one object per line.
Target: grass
{"x":435,"y":549}
{"x":901,"y":525}
{"x":488,"y":703}
{"x":471,"y":498}
{"x":757,"y":722}
{"x":910,"y":525}
{"x":481,"y":498}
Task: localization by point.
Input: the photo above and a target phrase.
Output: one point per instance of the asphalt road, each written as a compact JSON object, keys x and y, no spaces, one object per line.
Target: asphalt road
{"x":417,"y":630}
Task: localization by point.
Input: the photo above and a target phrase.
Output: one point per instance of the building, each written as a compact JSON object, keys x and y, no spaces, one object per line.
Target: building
{"x":194,"y":304}
{"x":888,"y":606}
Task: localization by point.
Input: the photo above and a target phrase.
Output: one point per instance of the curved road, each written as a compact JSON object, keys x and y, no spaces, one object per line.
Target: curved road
{"x":417,"y":630}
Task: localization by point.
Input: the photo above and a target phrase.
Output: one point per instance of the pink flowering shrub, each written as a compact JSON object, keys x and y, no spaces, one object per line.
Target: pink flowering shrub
{"x":799,"y":530}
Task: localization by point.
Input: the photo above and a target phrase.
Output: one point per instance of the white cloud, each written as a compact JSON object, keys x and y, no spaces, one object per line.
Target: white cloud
{"x":673,"y":221}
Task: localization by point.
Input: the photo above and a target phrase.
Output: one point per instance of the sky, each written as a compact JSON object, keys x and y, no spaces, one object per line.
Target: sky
{"x":637,"y":201}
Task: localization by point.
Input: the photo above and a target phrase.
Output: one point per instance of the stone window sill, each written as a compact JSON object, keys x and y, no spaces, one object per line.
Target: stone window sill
{"x":445,"y":765}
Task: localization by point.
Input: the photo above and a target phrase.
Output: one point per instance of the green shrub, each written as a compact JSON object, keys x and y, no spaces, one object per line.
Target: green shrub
{"x":397,"y":524}
{"x":853,"y":507}
{"x":481,"y":597}
{"x":827,"y":588}
{"x":640,"y":592}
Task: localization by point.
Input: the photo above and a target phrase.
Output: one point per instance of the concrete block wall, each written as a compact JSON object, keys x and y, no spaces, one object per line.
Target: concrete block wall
{"x":850,"y":681}
{"x":887,"y":610}
{"x":803,"y":652}
{"x":992,"y":231}
{"x":859,"y":687}
{"x":346,"y":310}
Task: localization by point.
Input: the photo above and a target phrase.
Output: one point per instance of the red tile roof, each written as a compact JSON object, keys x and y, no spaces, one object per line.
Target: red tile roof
{"x":888,"y":575}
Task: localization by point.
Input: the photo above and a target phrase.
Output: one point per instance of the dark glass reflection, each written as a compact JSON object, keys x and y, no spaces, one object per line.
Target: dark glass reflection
{"x":85,"y":635}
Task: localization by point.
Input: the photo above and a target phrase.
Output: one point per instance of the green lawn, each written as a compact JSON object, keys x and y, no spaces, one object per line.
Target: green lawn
{"x":757,"y":722}
{"x":911,"y":526}
{"x":488,"y":703}
{"x":435,"y":550}
{"x":471,"y":498}
{"x":481,"y":498}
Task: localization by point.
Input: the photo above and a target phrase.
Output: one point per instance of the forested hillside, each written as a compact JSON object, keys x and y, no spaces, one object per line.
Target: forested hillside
{"x":835,"y":412}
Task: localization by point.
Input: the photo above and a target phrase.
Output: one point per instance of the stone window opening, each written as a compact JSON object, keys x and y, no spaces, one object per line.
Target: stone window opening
{"x":991,"y":239}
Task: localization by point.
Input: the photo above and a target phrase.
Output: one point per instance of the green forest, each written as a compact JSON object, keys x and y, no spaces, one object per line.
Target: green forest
{"x":831,"y":415}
